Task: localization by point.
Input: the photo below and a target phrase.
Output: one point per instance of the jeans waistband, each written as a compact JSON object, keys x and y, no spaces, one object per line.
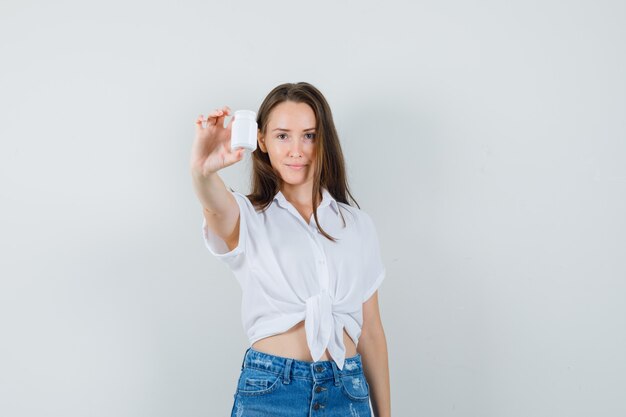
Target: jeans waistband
{"x":290,"y":367}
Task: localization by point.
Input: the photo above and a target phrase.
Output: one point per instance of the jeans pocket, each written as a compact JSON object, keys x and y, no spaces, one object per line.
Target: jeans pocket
{"x":253,"y":381}
{"x":355,"y":387}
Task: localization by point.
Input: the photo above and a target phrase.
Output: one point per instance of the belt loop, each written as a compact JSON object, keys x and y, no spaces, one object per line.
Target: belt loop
{"x":335,"y":373}
{"x":244,"y":358}
{"x":286,"y":375}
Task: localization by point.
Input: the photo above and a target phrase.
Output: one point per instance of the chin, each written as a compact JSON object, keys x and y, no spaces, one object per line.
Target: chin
{"x":295,"y":180}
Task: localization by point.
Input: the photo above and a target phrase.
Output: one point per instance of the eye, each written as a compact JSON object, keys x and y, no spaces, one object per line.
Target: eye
{"x":310,"y":135}
{"x":280,"y":136}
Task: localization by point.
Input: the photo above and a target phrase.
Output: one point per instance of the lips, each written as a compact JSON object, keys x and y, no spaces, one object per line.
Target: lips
{"x":296,"y":167}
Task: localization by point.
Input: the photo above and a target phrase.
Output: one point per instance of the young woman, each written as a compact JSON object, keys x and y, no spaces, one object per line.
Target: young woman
{"x":307,"y":261}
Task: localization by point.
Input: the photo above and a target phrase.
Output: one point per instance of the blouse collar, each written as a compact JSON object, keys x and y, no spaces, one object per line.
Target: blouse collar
{"x":327,"y":199}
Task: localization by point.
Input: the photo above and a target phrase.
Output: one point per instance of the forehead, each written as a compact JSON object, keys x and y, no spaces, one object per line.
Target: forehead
{"x":292,"y":115}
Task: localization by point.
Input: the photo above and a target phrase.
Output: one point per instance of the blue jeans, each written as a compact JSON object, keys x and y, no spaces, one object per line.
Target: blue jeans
{"x":275,"y":386}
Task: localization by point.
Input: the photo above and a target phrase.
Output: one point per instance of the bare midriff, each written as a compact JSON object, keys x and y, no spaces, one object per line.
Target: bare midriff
{"x":292,"y":344}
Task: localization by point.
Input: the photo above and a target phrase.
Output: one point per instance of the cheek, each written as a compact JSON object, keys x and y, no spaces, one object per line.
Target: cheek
{"x":278,"y":147}
{"x":311,"y":149}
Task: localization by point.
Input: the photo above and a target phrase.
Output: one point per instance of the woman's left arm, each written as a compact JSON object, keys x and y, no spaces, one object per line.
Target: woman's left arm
{"x":372,"y":347}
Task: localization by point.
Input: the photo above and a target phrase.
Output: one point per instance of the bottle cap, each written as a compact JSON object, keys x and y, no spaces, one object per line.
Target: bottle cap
{"x":245,"y":114}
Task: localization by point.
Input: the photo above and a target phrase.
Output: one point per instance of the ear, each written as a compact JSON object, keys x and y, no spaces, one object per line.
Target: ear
{"x":261,"y":141}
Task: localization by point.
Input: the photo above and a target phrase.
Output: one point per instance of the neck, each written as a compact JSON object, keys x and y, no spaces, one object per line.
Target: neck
{"x":299,"y":195}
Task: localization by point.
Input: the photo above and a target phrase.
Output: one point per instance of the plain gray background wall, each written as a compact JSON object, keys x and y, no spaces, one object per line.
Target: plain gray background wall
{"x":486,"y":139}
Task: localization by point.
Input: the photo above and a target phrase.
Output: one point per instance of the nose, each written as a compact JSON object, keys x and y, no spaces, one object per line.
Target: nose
{"x":295,"y":149}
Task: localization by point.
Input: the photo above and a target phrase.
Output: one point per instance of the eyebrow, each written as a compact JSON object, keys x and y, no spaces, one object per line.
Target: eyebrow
{"x":287,"y":130}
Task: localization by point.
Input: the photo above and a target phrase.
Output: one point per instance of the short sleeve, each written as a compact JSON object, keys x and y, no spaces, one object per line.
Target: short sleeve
{"x":375,"y":270}
{"x":217,"y":246}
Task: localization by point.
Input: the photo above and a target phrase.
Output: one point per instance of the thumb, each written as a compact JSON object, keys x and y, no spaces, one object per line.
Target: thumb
{"x":233,"y":156}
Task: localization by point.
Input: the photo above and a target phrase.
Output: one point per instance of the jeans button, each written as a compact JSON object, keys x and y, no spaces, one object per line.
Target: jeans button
{"x":318,"y":389}
{"x":319,"y":368}
{"x":316,"y":406}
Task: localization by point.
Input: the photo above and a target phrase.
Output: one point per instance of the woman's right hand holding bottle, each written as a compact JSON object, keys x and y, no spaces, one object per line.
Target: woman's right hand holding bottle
{"x":211,"y":147}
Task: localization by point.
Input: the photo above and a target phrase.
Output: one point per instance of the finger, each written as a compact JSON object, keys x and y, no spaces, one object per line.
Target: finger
{"x":220,"y":119}
{"x":200,"y":122}
{"x":233,"y":156}
{"x":214,"y":116}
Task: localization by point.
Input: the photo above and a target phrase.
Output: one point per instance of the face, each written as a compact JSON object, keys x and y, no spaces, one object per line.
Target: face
{"x":290,"y":141}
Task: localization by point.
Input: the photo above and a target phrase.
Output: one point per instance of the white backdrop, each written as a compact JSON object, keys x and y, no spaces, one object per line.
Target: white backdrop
{"x":486,"y":139}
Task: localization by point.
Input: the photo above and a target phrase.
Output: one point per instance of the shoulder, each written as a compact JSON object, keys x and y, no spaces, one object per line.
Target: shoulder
{"x":246,"y":204}
{"x":242,"y":199}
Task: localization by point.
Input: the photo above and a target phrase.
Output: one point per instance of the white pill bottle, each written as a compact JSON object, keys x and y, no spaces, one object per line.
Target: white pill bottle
{"x":244,"y":130}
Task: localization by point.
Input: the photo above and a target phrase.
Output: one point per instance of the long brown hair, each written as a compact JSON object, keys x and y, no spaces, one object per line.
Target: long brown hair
{"x":330,"y":169}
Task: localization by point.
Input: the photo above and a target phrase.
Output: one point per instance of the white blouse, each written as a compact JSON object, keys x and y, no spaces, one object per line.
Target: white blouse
{"x":290,"y":272}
